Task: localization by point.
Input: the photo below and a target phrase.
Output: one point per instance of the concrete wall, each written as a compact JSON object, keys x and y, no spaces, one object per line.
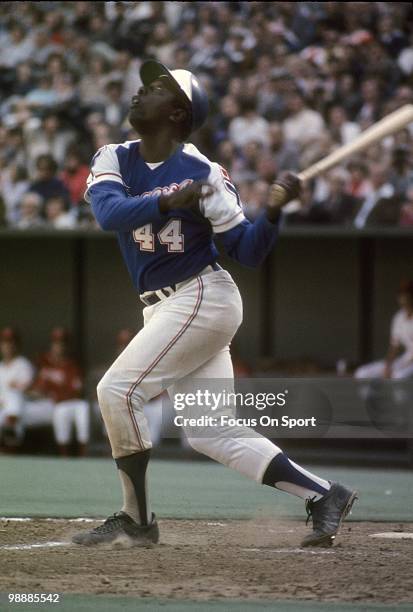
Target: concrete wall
{"x":309,"y":300}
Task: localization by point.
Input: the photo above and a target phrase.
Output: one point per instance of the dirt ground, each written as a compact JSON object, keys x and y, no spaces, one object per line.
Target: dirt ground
{"x":204,"y":560}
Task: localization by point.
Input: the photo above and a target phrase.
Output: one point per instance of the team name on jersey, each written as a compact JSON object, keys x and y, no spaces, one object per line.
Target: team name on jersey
{"x":168,"y":188}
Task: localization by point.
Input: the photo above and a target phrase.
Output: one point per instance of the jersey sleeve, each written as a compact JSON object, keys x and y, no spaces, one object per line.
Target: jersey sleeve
{"x":104,"y":167}
{"x":223,"y":209}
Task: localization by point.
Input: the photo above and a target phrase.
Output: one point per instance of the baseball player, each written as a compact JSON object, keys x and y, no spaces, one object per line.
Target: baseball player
{"x":399,"y":360}
{"x":16,"y":375}
{"x":58,"y":385}
{"x":167,"y":201}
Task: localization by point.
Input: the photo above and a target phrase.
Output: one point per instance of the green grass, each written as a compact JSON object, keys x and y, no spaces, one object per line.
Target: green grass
{"x":52,"y":487}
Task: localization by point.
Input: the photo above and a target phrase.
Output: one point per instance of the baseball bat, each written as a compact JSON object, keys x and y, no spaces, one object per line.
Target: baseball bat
{"x":385,"y":127}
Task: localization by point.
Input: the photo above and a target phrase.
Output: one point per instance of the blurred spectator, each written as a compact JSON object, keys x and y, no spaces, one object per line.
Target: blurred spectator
{"x":56,"y":214}
{"x":371,"y":102}
{"x":92,"y":84}
{"x":257,"y":199}
{"x":42,"y":46}
{"x":115,"y":110}
{"x":406,"y":212}
{"x":50,"y":138}
{"x":44,"y":96}
{"x":338,"y":207}
{"x":401,"y":171}
{"x":303,"y":124}
{"x":46,"y":184}
{"x":358,"y":184}
{"x":161,"y":45}
{"x":382,"y":191}
{"x":15,"y":47}
{"x":267,"y":168}
{"x":249,"y":126}
{"x":16,"y":375}
{"x":277,"y":74}
{"x":246,"y":167}
{"x":206,"y":49}
{"x":74,"y":176}
{"x":342,"y":130}
{"x":24,"y":81}
{"x":30,"y":211}
{"x":285,"y":153}
{"x":14,"y":183}
{"x":56,"y":392}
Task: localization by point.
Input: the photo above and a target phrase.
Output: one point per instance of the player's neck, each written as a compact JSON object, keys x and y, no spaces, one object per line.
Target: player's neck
{"x":157,"y":148}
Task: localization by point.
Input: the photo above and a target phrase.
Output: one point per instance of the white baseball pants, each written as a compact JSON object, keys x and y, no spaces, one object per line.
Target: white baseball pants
{"x":402,"y":368}
{"x":62,"y":415}
{"x":68,"y":413}
{"x":185,"y":336}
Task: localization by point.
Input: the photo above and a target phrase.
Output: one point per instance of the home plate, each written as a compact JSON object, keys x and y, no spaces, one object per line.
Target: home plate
{"x":31,"y":546}
{"x":394,"y":535}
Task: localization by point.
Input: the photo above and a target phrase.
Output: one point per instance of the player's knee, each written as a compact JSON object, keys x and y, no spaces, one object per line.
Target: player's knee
{"x":197,"y":444}
{"x":106,"y":391}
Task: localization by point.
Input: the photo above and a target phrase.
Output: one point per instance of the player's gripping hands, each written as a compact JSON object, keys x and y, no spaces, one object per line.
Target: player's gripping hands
{"x":286,"y":188}
{"x":190,"y":196}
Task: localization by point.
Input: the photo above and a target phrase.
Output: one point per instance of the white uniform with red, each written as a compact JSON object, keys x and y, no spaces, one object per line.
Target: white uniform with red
{"x":15,"y":377}
{"x":401,"y":335}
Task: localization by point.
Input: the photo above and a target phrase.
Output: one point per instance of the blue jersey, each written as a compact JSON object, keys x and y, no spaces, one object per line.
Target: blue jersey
{"x":162,"y":249}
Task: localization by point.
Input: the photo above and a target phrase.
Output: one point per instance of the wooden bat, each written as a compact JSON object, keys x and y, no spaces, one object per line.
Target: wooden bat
{"x":385,"y":127}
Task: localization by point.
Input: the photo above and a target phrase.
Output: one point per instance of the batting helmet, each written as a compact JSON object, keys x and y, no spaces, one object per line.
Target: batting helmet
{"x":186,"y":85}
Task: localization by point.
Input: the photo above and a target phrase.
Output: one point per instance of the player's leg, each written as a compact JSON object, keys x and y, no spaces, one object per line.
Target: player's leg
{"x":371,"y":370}
{"x":254,"y":456}
{"x":63,"y":418}
{"x":241,"y":448}
{"x":177,"y":338}
{"x":81,"y":415}
{"x":12,"y":428}
{"x":402,"y":368}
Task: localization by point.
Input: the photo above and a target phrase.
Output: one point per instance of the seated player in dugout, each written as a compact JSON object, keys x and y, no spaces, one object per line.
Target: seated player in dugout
{"x":398,"y":362}
{"x":168,"y":202}
{"x":57,"y":391}
{"x":16,"y":375}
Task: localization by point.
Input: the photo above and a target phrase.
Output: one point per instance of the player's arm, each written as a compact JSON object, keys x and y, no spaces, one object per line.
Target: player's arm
{"x":246,"y":242}
{"x":113,"y":208}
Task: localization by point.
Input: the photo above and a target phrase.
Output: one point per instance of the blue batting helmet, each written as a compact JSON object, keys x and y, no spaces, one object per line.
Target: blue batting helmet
{"x":186,"y":85}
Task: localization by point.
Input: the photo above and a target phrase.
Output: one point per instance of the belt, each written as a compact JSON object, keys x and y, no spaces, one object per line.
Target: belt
{"x":149,"y":298}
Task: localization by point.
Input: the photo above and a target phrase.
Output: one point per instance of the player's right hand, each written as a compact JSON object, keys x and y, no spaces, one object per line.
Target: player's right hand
{"x":190,"y":196}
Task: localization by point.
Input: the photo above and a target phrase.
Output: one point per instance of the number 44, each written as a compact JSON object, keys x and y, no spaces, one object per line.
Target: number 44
{"x":170,"y":235}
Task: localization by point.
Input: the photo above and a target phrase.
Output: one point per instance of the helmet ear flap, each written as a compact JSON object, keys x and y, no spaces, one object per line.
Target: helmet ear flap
{"x":200,"y":104}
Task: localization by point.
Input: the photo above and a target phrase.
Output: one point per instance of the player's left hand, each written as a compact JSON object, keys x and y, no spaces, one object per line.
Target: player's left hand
{"x":286,"y":188}
{"x":190,"y":197}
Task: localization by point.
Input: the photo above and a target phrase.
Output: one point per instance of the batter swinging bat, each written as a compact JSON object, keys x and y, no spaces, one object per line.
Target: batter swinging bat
{"x":385,"y":127}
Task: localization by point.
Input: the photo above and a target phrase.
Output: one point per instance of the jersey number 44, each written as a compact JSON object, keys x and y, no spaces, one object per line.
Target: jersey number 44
{"x":170,"y":235}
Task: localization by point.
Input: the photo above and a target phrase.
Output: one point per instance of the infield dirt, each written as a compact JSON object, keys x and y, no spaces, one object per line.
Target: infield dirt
{"x":203,"y":560}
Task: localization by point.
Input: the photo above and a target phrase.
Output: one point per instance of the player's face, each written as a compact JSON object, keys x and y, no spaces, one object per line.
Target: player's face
{"x":152,"y":106}
{"x":406,"y":301}
{"x":7,"y":349}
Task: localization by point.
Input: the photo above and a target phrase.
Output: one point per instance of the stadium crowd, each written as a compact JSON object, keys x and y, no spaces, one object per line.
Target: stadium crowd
{"x":288,"y":82}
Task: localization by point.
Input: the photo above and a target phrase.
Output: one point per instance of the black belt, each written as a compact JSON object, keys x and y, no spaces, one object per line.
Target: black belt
{"x":153,"y":298}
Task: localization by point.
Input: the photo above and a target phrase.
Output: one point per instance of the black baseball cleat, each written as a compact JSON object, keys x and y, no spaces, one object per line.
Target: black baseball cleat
{"x":328,"y":513}
{"x":120,"y":527}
